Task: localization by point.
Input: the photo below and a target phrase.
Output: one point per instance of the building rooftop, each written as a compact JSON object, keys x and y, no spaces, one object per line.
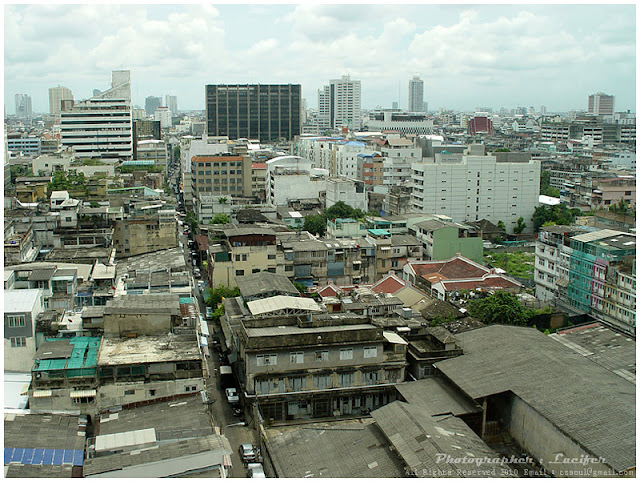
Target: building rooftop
{"x":148,"y":349}
{"x":77,"y":353}
{"x":602,"y":345}
{"x":265,"y":283}
{"x":20,"y":301}
{"x":296,"y":330}
{"x":586,"y":401}
{"x":282,"y":303}
{"x":176,"y":419}
{"x":171,"y":259}
{"x":336,"y":450}
{"x":137,"y":304}
{"x":434,"y":396}
{"x":454,"y":268}
{"x":421,"y":439}
{"x":43,"y":274}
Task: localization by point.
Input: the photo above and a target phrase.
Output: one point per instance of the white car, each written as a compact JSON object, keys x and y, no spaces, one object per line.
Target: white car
{"x":232,"y":395}
{"x":255,"y":471}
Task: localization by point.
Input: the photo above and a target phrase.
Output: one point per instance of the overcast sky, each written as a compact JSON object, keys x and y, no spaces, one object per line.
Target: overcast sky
{"x":468,"y":55}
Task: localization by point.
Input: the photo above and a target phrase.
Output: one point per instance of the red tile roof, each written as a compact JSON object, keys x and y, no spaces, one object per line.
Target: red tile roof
{"x":389,"y":284}
{"x":491,"y":281}
{"x":259,"y":165}
{"x":458,"y":267}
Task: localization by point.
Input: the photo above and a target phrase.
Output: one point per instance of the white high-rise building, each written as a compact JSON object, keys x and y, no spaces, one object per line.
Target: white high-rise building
{"x":339,"y":103}
{"x":324,"y":109}
{"x":101,"y":127}
{"x":416,"y":94}
{"x":171,"y":102}
{"x":475,"y":186}
{"x":56,"y":96}
{"x":163,"y":114}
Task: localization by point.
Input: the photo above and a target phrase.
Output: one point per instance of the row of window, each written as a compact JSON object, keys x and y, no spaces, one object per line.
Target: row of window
{"x":16,"y":321}
{"x":18,"y":341}
{"x":319,"y":356}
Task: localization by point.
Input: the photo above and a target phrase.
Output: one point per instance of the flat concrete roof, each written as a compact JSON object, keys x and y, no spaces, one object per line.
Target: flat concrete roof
{"x":148,"y":349}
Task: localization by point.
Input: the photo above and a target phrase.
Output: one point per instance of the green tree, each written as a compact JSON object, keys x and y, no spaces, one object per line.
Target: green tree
{"x":192,"y":221}
{"x":340,"y":210}
{"x":222,"y":200}
{"x":220,"y":218}
{"x":500,"y":307}
{"x":520,"y":225}
{"x":502,"y":149}
{"x":502,"y":226}
{"x":213,"y":297}
{"x":176,"y":152}
{"x":300,"y":287}
{"x":545,"y":186}
{"x":558,"y":214}
{"x":315,"y":224}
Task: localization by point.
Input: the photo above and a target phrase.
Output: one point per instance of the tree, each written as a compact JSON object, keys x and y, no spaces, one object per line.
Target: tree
{"x":558,"y":214}
{"x":220,"y":218}
{"x":315,"y":224}
{"x":545,"y":186}
{"x":176,"y":152}
{"x":500,"y":307}
{"x":192,"y":221}
{"x":213,"y":297}
{"x":502,"y":226}
{"x":300,"y":287}
{"x":520,"y":225}
{"x":222,"y":200}
{"x":502,"y":149}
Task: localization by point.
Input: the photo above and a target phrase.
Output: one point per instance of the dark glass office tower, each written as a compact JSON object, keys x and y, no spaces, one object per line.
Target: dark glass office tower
{"x":256,"y":111}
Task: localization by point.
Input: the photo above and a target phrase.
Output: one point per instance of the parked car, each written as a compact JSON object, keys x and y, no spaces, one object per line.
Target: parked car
{"x":209,"y":312}
{"x":232,"y":395}
{"x":255,"y":471}
{"x":248,"y":453}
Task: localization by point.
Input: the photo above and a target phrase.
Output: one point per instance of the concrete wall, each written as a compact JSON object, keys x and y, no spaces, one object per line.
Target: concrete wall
{"x":116,"y":325}
{"x":544,"y":441}
{"x":114,"y":394}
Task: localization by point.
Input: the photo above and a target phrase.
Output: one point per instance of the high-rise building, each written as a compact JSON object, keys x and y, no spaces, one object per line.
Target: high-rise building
{"x":163,"y":114}
{"x":56,"y":97}
{"x":324,"y":109}
{"x":23,"y":106}
{"x":101,"y":127}
{"x":600,"y":104}
{"x":151,"y":103}
{"x":416,"y":94}
{"x":480,"y":124}
{"x":171,"y":101}
{"x":254,"y":111}
{"x":345,"y":104}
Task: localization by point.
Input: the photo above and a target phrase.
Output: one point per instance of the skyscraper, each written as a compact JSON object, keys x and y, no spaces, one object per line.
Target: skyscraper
{"x":600,"y":104}
{"x":171,"y":101}
{"x":416,"y":94}
{"x":23,"y":106}
{"x":339,"y":102}
{"x":151,"y":103}
{"x":101,"y":127}
{"x":254,"y":111}
{"x":56,"y":97}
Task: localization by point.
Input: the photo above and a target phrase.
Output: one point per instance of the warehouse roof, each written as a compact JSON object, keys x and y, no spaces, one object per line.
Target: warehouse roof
{"x":282,"y":303}
{"x":559,"y":383}
{"x":259,"y":284}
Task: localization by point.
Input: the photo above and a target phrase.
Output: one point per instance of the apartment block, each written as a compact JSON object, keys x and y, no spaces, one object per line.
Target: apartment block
{"x":57,"y":97}
{"x":221,"y":174}
{"x":21,"y":309}
{"x":478,"y":187}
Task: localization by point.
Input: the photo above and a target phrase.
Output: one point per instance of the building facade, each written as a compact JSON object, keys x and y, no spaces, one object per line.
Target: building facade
{"x":254,"y":111}
{"x":600,"y":104}
{"x":416,"y":94}
{"x":57,"y":97}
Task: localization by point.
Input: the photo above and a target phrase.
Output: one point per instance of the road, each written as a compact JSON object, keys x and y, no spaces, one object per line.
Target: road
{"x":220,"y":408}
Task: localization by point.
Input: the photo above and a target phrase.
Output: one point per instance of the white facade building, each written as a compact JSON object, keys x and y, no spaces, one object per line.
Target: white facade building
{"x":477,"y":187}
{"x":101,"y":127}
{"x":340,"y":103}
{"x":171,"y":102}
{"x":56,"y":96}
{"x":349,"y":191}
{"x":403,"y":122}
{"x":416,"y":94}
{"x":21,"y":310}
{"x":163,"y":114}
{"x":290,"y":178}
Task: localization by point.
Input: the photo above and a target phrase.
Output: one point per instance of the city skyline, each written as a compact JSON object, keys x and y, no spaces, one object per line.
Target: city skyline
{"x":468,"y":56}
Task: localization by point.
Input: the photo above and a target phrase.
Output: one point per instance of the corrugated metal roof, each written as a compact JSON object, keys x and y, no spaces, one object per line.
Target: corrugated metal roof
{"x":276,"y":303}
{"x":125,"y":439}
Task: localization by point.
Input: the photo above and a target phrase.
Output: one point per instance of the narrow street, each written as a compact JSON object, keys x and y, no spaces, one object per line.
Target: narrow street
{"x":236,"y":431}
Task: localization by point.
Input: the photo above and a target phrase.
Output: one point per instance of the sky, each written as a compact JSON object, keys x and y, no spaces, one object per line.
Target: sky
{"x":469,"y":56}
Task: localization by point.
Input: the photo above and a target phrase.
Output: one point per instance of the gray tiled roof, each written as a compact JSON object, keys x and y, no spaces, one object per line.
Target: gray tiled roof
{"x":335,"y":450}
{"x":436,"y":397}
{"x":264,"y":284}
{"x":587,"y":402}
{"x":423,"y":441}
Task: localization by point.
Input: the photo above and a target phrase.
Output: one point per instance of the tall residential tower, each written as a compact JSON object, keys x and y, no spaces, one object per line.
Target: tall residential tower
{"x":416,"y":94}
{"x":57,"y":95}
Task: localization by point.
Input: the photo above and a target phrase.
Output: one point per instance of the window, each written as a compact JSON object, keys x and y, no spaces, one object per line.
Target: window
{"x":239,"y":272}
{"x":18,"y":342}
{"x":297,"y":383}
{"x":271,"y":256}
{"x":322,"y":381}
{"x":15,"y":321}
{"x":266,"y":360}
{"x":244,"y":257}
{"x":297,"y":357}
{"x":371,"y":376}
{"x":345,"y":379}
{"x":392,"y":375}
{"x":346,"y":354}
{"x":370,"y":351}
{"x":322,"y":355}
{"x":129,"y":392}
